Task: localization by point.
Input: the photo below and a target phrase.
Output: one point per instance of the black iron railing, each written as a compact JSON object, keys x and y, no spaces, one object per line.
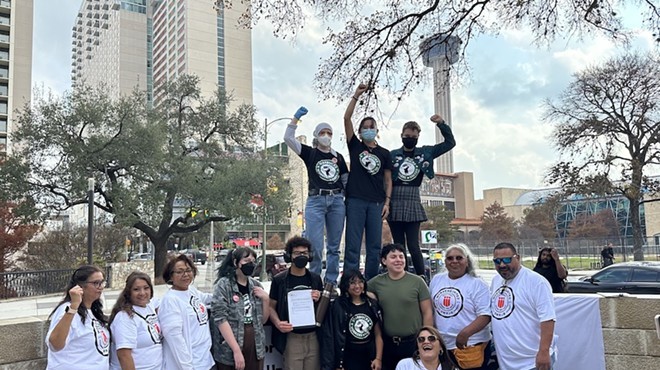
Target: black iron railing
{"x":35,"y":283}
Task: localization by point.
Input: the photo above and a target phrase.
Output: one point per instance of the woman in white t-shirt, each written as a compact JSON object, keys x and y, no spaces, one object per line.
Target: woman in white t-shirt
{"x":184,"y":319}
{"x":461,"y":308}
{"x":136,"y":334}
{"x":78,"y":336}
{"x":431,"y":353}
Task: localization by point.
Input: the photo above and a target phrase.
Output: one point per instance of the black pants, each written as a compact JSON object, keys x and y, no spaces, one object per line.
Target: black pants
{"x":407,"y":234}
{"x":393,"y":352}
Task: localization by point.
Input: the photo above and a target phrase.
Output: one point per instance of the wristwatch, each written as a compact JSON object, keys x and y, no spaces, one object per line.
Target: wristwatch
{"x":70,"y":311}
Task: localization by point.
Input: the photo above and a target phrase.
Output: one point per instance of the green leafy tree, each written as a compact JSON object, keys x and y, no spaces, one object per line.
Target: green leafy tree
{"x":379,"y":41}
{"x":607,"y":133}
{"x":66,"y":247}
{"x":167,"y":170}
{"x":439,"y":219}
{"x":496,"y":225}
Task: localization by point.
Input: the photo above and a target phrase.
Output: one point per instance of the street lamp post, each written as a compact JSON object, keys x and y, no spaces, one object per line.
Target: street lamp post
{"x":264,"y":273}
{"x":90,"y":219}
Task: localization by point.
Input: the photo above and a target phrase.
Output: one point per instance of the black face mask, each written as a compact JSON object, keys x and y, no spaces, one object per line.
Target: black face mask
{"x":301,"y":261}
{"x":248,"y":269}
{"x":409,"y":142}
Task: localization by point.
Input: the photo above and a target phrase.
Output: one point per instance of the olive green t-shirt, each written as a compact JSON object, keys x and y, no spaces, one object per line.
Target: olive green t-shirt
{"x":399,"y":301}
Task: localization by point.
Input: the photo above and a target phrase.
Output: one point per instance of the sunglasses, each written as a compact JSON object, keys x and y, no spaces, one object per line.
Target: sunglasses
{"x":430,"y":338}
{"x":452,"y":258}
{"x":506,"y":260}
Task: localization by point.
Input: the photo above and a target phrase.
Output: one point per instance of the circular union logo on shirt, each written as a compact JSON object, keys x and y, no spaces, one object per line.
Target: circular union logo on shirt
{"x":408,"y":170}
{"x":448,"y":302}
{"x":327,"y":170}
{"x":360,"y":326}
{"x":370,"y":162}
{"x":502,"y":303}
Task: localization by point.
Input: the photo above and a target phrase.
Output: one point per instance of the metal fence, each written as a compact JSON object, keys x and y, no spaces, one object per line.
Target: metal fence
{"x":580,"y":254}
{"x":21,"y":284}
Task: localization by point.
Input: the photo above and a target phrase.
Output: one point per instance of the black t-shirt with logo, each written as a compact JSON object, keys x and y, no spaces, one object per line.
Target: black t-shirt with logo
{"x":361,"y":321}
{"x":294,"y":282}
{"x":368,"y":165}
{"x":410,"y":170}
{"x":324,"y":169}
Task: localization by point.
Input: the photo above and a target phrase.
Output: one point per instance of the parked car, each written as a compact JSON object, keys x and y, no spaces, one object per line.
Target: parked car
{"x":141,"y":257}
{"x":628,"y":277}
{"x":196,"y":255}
{"x":274,"y":265}
{"x":222,"y":254}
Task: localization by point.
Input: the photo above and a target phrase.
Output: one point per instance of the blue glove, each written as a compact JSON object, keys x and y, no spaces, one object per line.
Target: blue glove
{"x":300,"y":112}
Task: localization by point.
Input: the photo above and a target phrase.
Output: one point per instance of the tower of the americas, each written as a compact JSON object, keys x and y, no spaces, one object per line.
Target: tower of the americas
{"x":439,"y":52}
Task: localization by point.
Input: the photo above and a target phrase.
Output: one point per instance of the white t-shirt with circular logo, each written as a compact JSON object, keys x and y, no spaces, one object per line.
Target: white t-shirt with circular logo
{"x":518,"y":306}
{"x":456,"y":304}
{"x":87,"y":346}
{"x":140,"y":333}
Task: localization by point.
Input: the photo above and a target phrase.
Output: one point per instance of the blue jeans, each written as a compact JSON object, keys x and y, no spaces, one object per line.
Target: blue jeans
{"x":325,"y":212}
{"x":363,"y":217}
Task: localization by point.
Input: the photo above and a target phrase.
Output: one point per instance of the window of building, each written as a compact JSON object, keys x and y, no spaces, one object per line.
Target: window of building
{"x":3,"y":125}
{"x":4,"y":89}
{"x":4,"y":19}
{"x":3,"y":144}
{"x":4,"y":36}
{"x":3,"y":107}
{"x":4,"y":71}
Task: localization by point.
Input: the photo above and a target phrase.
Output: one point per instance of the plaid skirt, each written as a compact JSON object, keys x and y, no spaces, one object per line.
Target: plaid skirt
{"x":406,"y":205}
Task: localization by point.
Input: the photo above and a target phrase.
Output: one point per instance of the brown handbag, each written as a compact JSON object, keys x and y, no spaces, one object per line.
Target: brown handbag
{"x":470,"y":357}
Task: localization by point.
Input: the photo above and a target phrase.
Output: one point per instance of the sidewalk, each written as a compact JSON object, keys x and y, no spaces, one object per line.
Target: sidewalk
{"x":38,"y":308}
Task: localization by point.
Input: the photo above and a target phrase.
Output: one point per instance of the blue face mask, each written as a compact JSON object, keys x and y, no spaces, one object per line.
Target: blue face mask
{"x":368,"y":134}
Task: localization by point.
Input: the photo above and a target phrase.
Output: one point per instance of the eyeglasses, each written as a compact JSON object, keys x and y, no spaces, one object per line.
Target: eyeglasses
{"x":452,"y":258}
{"x":506,"y":260}
{"x":181,"y":272}
{"x":430,"y":338}
{"x":98,"y":284}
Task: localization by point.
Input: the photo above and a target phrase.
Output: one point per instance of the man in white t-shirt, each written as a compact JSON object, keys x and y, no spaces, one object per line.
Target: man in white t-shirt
{"x":523,"y":314}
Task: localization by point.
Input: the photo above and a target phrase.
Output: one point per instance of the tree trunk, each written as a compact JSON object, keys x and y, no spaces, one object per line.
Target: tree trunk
{"x":638,"y":240}
{"x":160,"y":258}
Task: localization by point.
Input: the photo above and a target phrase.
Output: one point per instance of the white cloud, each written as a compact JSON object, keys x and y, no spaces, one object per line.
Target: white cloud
{"x":496,"y":113}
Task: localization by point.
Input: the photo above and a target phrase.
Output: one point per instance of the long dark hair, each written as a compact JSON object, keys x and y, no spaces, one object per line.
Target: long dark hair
{"x":443,"y":357}
{"x":230,"y":263}
{"x":124,"y":300}
{"x":538,"y":260}
{"x":79,"y":277}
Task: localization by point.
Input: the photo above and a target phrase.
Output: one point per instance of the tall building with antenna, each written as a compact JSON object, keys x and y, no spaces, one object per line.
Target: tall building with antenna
{"x":439,"y":52}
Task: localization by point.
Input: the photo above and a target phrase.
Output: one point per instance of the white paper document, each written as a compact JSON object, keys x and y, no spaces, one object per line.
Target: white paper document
{"x":301,"y":308}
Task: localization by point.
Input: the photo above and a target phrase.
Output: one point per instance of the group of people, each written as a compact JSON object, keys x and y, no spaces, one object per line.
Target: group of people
{"x":393,"y":321}
{"x":390,"y":321}
{"x":380,"y":184}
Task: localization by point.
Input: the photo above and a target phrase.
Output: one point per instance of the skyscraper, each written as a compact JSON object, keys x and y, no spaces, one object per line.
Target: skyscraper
{"x":124,"y":44}
{"x":439,"y":52}
{"x":15,"y":64}
{"x":191,"y":38}
{"x":110,"y":46}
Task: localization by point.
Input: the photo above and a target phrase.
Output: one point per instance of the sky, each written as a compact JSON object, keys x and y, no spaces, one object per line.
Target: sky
{"x":496,"y":109}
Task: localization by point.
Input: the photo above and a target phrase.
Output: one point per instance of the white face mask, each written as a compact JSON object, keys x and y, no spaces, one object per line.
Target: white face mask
{"x":324,"y":140}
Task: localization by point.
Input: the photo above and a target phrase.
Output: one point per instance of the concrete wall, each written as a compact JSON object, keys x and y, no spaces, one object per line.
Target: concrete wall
{"x":628,"y":331}
{"x":121,"y":270}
